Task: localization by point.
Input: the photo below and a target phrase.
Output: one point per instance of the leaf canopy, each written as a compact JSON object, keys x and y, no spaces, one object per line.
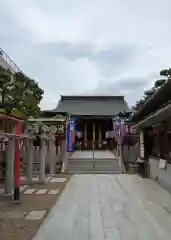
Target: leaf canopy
{"x":19,"y":93}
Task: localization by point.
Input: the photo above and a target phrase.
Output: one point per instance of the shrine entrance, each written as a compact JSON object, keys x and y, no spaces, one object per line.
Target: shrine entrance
{"x":94,"y":134}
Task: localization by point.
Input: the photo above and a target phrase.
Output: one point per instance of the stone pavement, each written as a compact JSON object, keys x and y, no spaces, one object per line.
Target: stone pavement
{"x":109,"y":207}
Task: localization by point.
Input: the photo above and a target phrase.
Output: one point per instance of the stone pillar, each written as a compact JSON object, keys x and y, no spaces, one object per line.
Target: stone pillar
{"x":59,"y":152}
{"x":119,"y":150}
{"x":53,"y":156}
{"x":9,"y":179}
{"x":30,"y":156}
{"x":43,"y":152}
{"x":52,"y":149}
{"x":64,"y":156}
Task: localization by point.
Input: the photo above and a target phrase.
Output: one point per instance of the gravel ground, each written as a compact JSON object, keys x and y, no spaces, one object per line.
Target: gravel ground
{"x":13,"y":225}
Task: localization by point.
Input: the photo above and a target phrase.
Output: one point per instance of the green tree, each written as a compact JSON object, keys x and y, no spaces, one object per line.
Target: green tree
{"x":138,"y":104}
{"x":166,"y":72}
{"x":5,"y":84}
{"x":148,"y":94}
{"x":26,"y":95}
{"x":20,"y":94}
{"x":159,"y":83}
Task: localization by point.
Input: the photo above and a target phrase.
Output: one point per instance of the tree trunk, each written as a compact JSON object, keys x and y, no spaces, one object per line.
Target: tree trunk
{"x":3,"y":97}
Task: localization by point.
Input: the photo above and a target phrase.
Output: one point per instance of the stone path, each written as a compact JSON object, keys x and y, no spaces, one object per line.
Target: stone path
{"x":30,"y":191}
{"x":109,"y":207}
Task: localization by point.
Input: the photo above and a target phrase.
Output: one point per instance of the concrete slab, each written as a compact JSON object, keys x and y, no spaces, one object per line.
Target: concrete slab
{"x":103,"y":154}
{"x":58,"y":180}
{"x":34,"y":179}
{"x":82,"y":154}
{"x":41,"y":191}
{"x":1,"y":191}
{"x":29,"y":191}
{"x":109,"y":207}
{"x":23,"y":187}
{"x":48,"y":178}
{"x":13,"y":214}
{"x":35,"y":215}
{"x":23,"y":178}
{"x":53,"y":192}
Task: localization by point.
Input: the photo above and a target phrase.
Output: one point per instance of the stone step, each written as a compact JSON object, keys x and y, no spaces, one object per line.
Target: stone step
{"x":92,"y":172}
{"x":96,"y":166}
{"x":92,"y":159}
{"x":82,"y":163}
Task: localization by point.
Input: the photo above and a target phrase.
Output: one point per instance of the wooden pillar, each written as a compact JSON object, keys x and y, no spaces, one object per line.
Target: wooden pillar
{"x":94,"y":134}
{"x":166,"y":144}
{"x":85,"y":134}
{"x":120,"y":152}
{"x":100,"y":135}
{"x":141,"y":144}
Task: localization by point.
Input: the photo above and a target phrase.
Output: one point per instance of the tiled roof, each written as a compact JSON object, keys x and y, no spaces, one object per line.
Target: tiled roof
{"x":92,"y":105}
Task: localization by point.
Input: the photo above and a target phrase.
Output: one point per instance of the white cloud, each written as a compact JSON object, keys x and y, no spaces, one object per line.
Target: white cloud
{"x":88,"y":46}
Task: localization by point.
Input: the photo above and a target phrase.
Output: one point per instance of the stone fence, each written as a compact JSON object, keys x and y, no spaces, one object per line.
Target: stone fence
{"x":40,"y":159}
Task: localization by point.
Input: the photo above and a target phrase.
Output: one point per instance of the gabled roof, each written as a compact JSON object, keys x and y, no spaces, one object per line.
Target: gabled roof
{"x":92,"y":105}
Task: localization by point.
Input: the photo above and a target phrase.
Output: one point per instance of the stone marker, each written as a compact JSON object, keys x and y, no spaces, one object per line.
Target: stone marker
{"x":29,"y":191}
{"x":35,"y":215}
{"x":53,"y":192}
{"x":60,"y":180}
{"x":41,"y":191}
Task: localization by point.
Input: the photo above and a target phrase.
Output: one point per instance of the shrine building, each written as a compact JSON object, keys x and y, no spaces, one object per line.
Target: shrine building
{"x":94,"y":118}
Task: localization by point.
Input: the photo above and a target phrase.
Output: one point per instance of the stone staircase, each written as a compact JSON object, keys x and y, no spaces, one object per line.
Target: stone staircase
{"x":93,"y":166}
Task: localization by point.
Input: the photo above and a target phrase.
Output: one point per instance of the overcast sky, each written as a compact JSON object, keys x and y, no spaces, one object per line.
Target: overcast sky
{"x":108,"y":47}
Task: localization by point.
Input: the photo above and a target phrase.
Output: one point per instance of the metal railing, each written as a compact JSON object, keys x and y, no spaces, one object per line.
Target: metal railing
{"x":9,"y":61}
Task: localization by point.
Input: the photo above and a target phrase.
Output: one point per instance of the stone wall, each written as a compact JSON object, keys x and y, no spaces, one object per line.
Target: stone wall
{"x":162,"y":176}
{"x":131,"y":154}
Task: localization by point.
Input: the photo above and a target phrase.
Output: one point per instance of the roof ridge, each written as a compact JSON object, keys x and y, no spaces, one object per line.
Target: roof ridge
{"x":92,"y":97}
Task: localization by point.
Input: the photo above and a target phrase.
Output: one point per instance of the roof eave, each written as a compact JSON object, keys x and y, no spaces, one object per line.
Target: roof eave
{"x":152,"y":100}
